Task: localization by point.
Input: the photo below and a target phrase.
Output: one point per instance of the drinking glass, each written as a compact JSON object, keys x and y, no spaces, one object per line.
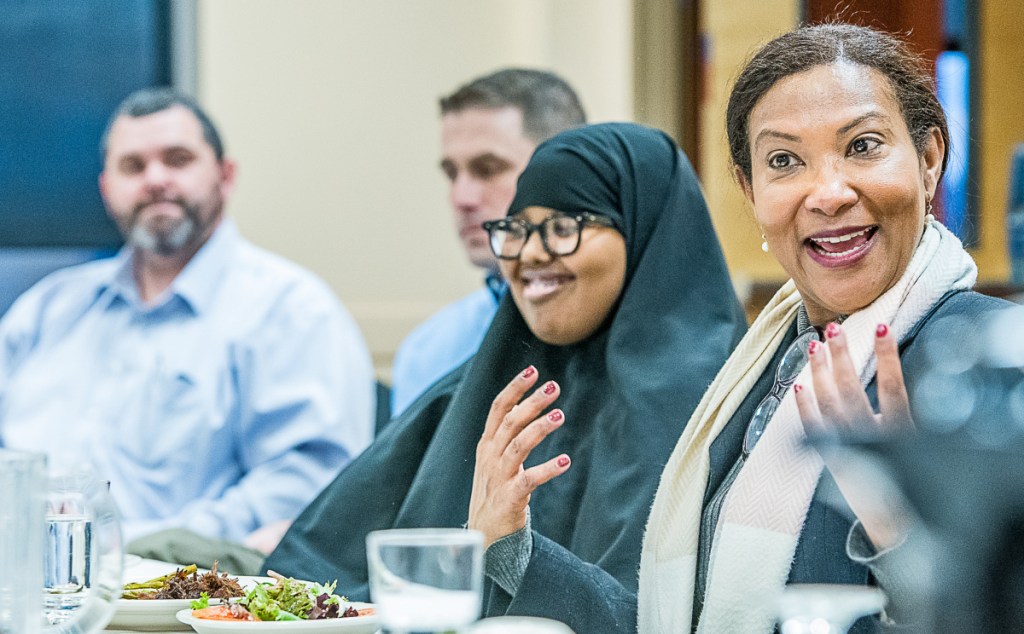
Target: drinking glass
{"x":826,"y":609}
{"x":60,"y":549}
{"x":82,"y":556}
{"x":519,"y":625}
{"x":425,"y":579}
{"x":22,"y":491}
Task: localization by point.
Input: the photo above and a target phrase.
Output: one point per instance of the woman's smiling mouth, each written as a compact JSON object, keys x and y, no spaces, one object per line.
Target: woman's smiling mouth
{"x":538,"y":286}
{"x":842,"y":247}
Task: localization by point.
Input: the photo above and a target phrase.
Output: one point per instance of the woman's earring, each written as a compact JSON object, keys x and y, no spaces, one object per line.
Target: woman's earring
{"x":764,"y":243}
{"x":928,"y":208}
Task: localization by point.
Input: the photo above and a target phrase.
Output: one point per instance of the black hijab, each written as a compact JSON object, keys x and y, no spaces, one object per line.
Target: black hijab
{"x":627,"y":390}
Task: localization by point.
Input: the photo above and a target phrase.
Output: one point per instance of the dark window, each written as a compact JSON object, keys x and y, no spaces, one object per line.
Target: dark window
{"x":64,"y":66}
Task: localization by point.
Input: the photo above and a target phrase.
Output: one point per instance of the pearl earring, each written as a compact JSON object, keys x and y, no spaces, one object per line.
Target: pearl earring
{"x":764,"y":243}
{"x":928,"y":208}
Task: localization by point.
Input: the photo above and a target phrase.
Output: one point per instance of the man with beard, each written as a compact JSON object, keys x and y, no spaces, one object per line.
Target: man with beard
{"x":489,"y":129}
{"x":217,"y":386}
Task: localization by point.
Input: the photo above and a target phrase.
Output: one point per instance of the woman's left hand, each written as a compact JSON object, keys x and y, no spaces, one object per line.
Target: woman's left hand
{"x":501,"y":485}
{"x":839,"y":403}
{"x":838,"y":396}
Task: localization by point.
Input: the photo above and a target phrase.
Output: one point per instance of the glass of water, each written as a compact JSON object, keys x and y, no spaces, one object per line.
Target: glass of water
{"x":425,"y":579}
{"x":82,"y":554}
{"x":519,"y":625}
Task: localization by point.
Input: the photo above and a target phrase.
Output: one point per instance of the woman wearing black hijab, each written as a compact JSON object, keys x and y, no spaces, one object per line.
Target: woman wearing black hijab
{"x":629,"y":354}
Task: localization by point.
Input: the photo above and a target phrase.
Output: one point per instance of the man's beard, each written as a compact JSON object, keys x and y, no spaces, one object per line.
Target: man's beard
{"x":167,"y":239}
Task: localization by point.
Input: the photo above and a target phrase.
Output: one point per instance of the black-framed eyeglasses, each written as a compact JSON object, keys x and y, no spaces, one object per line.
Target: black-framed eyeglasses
{"x":559,"y":234}
{"x":789,"y":368}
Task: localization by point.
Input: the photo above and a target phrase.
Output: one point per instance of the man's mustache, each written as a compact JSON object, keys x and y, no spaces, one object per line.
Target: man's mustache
{"x":153,"y":201}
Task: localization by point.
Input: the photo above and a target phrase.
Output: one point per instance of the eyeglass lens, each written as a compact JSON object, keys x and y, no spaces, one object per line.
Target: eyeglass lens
{"x":793,"y":361}
{"x":560,"y":235}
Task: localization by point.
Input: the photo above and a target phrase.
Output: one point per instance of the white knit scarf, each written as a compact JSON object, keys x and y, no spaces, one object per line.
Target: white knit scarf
{"x":764,"y":511}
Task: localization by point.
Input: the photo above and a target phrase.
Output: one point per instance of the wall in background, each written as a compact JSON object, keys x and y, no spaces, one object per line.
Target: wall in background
{"x":330,"y":109}
{"x":731,"y":33}
{"x":1000,"y":106}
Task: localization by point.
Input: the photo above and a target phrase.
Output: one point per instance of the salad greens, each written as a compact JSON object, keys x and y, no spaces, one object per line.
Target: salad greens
{"x":202,"y":602}
{"x":291,"y":600}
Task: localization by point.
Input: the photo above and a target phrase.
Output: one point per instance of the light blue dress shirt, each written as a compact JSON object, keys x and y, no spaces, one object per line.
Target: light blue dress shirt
{"x":228,"y":402}
{"x":442,"y":343}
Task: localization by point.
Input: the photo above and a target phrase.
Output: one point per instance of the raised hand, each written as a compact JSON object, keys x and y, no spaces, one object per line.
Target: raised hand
{"x":501,"y":486}
{"x":839,"y":403}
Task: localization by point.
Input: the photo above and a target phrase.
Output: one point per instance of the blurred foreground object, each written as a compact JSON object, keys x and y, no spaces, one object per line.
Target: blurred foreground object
{"x":963,"y":474}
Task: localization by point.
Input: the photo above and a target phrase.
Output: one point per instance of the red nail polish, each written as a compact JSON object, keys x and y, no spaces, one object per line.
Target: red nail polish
{"x":882,"y":330}
{"x":813,"y":347}
{"x":797,"y":387}
{"x":563,"y":461}
{"x":832,"y":330}
{"x":528,"y":372}
{"x":555,"y":416}
{"x":549,"y":389}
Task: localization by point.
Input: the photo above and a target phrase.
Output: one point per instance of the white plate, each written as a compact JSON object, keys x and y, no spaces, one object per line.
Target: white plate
{"x":157,"y":615}
{"x":149,"y":615}
{"x":348,"y":625}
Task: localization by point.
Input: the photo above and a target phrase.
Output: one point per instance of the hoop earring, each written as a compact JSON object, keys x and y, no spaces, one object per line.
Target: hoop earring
{"x":764,"y":243}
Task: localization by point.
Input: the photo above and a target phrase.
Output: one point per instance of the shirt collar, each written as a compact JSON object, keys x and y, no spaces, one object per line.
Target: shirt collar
{"x":496,"y":284}
{"x":196,"y":285}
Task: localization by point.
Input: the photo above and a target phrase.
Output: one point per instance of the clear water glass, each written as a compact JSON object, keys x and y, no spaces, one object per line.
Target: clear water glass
{"x":826,"y":609}
{"x":82,"y":555}
{"x":425,"y":579}
{"x":22,"y":500}
{"x":60,"y":549}
{"x":519,"y":625}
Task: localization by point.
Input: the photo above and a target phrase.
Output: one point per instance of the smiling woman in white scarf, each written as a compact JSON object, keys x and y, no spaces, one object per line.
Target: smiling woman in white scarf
{"x":839,"y":143}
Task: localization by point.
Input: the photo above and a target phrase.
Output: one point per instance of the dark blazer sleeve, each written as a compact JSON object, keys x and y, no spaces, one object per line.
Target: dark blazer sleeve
{"x":559,"y":585}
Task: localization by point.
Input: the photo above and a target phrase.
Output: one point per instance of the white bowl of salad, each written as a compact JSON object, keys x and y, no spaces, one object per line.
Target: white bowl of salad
{"x":286,"y":606}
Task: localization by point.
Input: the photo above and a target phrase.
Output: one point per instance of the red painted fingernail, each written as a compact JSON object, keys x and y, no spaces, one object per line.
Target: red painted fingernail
{"x":813,"y":347}
{"x":528,"y":372}
{"x":797,"y":387}
{"x":832,"y":330}
{"x":555,"y":416}
{"x":563,"y":461}
{"x":882,"y":330}
{"x":549,"y":389}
